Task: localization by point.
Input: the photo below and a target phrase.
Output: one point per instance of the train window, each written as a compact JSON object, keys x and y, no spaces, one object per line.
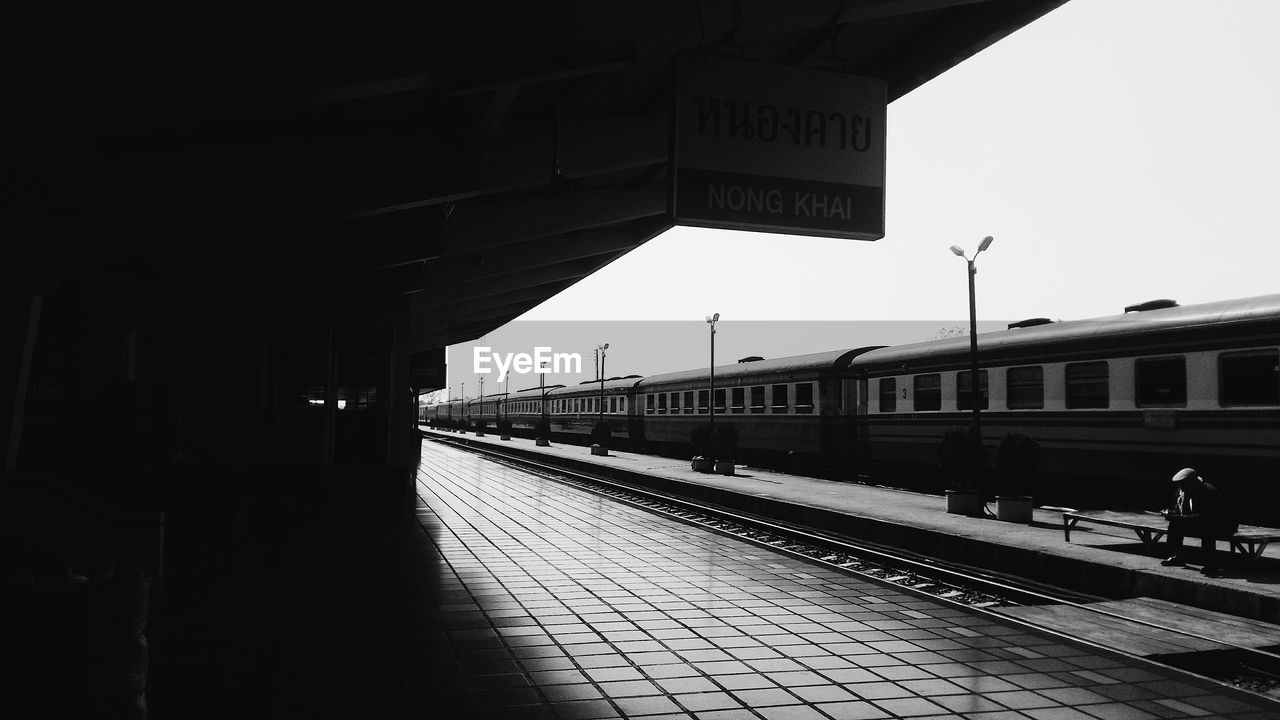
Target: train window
{"x":702,"y":401}
{"x":888,"y":394}
{"x":662,"y":403}
{"x":739,"y":401}
{"x":720,"y":400}
{"x":963,"y":393}
{"x":1249,"y":378}
{"x":675,"y":403}
{"x":622,"y":404}
{"x":778,"y":404}
{"x":928,"y":395}
{"x":804,"y":397}
{"x":757,"y":399}
{"x":1024,"y":388}
{"x":688,"y":402}
{"x":1088,"y":385}
{"x":648,"y":404}
{"x":1160,"y":381}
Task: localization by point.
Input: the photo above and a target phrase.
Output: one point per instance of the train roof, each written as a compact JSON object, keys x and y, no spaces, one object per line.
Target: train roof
{"x":815,"y":362}
{"x":592,"y":387}
{"x":1189,"y":322}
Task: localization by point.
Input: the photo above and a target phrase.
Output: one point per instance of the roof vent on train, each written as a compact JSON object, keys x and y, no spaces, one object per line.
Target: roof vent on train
{"x":1152,"y":305}
{"x":750,"y":358}
{"x":1029,"y":322}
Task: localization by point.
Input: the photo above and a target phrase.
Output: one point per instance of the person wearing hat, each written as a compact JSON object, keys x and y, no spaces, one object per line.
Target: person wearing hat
{"x":1201,"y":510}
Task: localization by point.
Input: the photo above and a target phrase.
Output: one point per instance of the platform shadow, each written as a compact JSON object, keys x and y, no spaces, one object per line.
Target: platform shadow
{"x":1260,"y":571}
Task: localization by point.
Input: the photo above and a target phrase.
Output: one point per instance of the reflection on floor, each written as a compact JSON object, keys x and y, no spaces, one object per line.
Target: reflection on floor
{"x":548,"y":602}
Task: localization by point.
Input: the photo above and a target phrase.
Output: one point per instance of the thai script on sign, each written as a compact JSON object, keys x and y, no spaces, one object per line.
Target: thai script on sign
{"x":725,"y":117}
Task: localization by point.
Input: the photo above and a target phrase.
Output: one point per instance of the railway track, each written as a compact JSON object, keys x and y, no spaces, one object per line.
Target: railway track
{"x":1248,"y":668}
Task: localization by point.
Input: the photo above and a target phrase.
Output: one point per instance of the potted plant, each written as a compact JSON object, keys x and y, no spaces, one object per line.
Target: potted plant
{"x":725,"y":441}
{"x":700,"y":439}
{"x":600,"y":435}
{"x":504,"y":429}
{"x":1016,"y":458}
{"x":961,"y":459}
{"x":542,"y":433}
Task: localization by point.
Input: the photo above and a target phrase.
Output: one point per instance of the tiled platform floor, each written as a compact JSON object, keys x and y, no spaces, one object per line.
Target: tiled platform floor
{"x":551,"y":603}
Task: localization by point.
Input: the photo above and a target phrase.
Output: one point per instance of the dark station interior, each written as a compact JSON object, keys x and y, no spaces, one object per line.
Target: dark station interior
{"x":220,"y":228}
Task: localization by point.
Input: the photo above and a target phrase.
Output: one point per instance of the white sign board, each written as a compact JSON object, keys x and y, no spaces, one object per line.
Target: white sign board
{"x":778,"y":149}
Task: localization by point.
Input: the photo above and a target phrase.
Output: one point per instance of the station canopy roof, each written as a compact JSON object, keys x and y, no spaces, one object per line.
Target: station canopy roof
{"x":472,"y":158}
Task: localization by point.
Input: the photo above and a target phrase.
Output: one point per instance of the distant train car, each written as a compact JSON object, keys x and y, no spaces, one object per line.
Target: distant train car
{"x":1137,"y":395}
{"x":794,"y":406}
{"x":444,"y":413}
{"x":575,"y":409}
{"x":522,"y":408}
{"x":525,"y":408}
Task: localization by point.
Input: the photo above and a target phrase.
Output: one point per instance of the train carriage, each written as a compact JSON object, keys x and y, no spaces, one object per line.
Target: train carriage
{"x":575,"y":409}
{"x":1110,"y":400}
{"x":793,"y":407}
{"x":524,"y":408}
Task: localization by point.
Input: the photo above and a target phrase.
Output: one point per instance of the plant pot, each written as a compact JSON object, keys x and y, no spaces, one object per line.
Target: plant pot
{"x":724,"y":467}
{"x":964,"y":502}
{"x":505,"y":437}
{"x":1014,"y":508}
{"x":703,"y":464}
{"x":542,"y":442}
{"x":600,"y":450}
{"x":479,"y":433}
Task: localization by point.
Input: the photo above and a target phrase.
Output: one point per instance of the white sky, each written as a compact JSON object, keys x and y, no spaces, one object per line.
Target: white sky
{"x":1117,"y":150}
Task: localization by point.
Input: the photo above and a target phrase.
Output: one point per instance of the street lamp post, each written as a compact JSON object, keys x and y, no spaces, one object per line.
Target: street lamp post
{"x":973,"y":335}
{"x":600,"y":350}
{"x":711,"y":392}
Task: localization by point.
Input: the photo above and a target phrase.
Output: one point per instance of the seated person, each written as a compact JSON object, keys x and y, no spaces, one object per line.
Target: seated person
{"x":1200,"y":510}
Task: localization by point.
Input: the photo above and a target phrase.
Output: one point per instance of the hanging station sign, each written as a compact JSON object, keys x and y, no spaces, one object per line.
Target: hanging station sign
{"x":778,"y":149}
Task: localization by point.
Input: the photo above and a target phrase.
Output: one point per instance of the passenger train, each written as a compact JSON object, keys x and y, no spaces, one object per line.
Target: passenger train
{"x":1117,"y":403}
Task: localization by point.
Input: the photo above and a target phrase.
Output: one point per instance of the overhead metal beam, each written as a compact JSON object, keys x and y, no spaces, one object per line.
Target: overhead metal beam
{"x":428,"y":298}
{"x":486,"y":225}
{"x":951,"y":40}
{"x":540,"y":252}
{"x":459,"y":308}
{"x":518,"y":156}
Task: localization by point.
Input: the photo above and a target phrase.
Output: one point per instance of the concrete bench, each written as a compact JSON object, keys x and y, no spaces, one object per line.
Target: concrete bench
{"x":1250,"y":541}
